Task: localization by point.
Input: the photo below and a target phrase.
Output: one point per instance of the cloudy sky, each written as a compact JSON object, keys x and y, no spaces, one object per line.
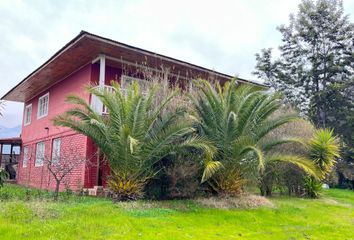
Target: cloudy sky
{"x":222,"y":35}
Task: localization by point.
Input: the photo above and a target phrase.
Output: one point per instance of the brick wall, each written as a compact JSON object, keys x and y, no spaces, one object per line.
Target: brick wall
{"x":73,"y":148}
{"x":43,"y":130}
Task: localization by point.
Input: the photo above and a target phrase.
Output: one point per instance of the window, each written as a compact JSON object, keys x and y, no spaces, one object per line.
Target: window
{"x":28,"y":114}
{"x":26,"y":156}
{"x":39,"y":154}
{"x":56,"y":151}
{"x":126,"y":81}
{"x":43,"y":106}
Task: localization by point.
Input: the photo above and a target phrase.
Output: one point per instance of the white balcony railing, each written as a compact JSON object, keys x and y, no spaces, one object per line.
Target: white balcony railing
{"x":126,"y":81}
{"x":96,"y":102}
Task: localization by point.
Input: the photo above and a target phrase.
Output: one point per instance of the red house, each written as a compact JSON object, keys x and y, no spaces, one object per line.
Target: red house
{"x":88,"y":59}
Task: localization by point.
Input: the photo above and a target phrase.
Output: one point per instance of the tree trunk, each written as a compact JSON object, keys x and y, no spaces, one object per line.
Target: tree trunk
{"x":268,"y":191}
{"x":317,"y":104}
{"x":261,"y":189}
{"x":56,"y":191}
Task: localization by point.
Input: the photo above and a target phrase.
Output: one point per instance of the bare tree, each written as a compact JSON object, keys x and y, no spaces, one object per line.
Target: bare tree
{"x":63,"y":162}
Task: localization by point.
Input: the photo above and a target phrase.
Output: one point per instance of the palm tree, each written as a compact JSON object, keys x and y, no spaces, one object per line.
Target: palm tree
{"x":236,"y":119}
{"x":135,"y":135}
{"x":323,"y":150}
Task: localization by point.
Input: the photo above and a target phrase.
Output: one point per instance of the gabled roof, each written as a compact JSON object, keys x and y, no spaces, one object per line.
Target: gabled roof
{"x":83,"y":49}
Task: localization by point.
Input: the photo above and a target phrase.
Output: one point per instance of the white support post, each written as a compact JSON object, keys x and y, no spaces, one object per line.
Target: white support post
{"x":102,"y":70}
{"x":95,"y":102}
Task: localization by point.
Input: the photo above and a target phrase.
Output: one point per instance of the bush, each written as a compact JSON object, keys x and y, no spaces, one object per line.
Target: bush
{"x":312,"y":187}
{"x":3,"y":176}
{"x":178,"y":178}
{"x":183,"y":176}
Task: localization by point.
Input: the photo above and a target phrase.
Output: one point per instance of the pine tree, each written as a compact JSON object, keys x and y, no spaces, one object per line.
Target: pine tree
{"x":316,"y":57}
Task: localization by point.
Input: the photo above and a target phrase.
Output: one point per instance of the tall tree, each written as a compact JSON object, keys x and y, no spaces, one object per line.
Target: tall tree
{"x":316,"y":53}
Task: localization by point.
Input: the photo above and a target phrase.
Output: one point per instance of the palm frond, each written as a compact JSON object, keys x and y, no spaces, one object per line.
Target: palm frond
{"x":210,"y":168}
{"x":274,"y":143}
{"x":305,"y":164}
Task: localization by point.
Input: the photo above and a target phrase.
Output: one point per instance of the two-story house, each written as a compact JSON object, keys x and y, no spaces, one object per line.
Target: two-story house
{"x":88,"y":59}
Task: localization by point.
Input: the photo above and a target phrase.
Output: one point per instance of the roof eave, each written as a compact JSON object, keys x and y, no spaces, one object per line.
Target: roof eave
{"x":83,"y":34}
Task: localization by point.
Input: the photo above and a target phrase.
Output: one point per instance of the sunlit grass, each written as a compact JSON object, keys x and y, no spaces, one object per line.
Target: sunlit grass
{"x":331,"y":217}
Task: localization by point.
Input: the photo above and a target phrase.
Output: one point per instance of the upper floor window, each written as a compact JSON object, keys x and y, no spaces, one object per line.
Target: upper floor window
{"x":43,"y":103}
{"x":40,"y":150}
{"x":28,"y":114}
{"x":126,"y":81}
{"x":56,"y":151}
{"x":26,"y":156}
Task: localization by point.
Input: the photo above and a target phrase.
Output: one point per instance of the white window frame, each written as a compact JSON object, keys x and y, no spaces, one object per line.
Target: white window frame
{"x":39,"y":158}
{"x":28,"y":109}
{"x":39,"y":106}
{"x":26,"y":156}
{"x":56,"y":147}
{"x":124,"y":78}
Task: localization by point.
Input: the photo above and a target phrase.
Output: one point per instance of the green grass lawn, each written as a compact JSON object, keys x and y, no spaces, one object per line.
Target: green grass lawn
{"x":24,"y":217}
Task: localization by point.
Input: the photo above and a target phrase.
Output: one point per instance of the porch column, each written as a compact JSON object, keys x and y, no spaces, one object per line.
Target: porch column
{"x":102,"y":78}
{"x":95,"y":102}
{"x":11,"y":150}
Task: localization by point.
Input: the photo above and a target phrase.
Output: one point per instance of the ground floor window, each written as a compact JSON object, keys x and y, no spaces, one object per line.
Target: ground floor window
{"x":56,"y":151}
{"x":25,"y":156}
{"x":40,"y":154}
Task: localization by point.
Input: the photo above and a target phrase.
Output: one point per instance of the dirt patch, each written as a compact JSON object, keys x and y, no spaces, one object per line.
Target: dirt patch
{"x":242,"y":202}
{"x":132,"y":205}
{"x":180,"y":205}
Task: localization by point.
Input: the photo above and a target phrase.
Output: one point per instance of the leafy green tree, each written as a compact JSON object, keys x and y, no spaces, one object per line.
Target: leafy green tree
{"x":236,"y":120}
{"x":316,"y":53}
{"x":345,"y":168}
{"x":339,"y":102}
{"x":134,"y":136}
{"x":315,"y":69}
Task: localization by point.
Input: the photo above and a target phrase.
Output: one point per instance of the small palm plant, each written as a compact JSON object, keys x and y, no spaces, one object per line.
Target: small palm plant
{"x":312,"y":187}
{"x":235,"y":119}
{"x":323,"y":150}
{"x":135,"y":135}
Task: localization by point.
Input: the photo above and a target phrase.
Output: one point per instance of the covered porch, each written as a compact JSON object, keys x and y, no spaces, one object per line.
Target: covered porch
{"x":10,"y":149}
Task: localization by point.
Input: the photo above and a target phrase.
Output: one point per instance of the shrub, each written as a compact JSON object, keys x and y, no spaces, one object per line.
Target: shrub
{"x":3,"y":176}
{"x":312,"y":187}
{"x":285,"y":175}
{"x":182,"y":175}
